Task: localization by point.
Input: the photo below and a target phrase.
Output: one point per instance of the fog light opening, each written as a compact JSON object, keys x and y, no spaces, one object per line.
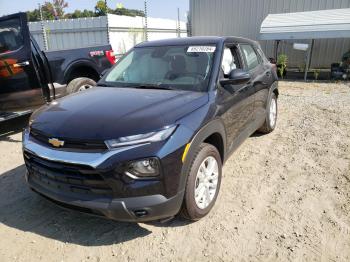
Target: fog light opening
{"x":141,"y":213}
{"x":144,"y":168}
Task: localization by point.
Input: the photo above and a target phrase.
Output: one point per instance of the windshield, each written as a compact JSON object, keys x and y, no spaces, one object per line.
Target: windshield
{"x":10,"y":35}
{"x":175,"y":67}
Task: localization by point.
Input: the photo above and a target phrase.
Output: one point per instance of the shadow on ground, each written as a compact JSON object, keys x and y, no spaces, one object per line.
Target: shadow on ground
{"x":24,"y":210}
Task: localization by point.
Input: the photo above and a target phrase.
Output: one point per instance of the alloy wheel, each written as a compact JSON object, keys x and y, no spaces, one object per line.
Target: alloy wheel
{"x":206,"y":182}
{"x":84,"y":87}
{"x":273,"y":112}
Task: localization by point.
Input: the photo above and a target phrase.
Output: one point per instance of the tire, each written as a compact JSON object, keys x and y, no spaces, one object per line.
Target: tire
{"x":270,"y":125}
{"x":190,"y":209}
{"x":80,"y":84}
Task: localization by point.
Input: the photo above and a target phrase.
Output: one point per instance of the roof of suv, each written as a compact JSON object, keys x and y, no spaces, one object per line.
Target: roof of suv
{"x":197,"y":40}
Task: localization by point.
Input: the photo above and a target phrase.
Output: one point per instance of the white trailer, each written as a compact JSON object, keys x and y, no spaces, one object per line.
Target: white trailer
{"x":122,"y":32}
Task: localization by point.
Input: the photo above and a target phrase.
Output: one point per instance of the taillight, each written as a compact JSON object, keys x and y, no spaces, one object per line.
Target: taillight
{"x":110,"y":56}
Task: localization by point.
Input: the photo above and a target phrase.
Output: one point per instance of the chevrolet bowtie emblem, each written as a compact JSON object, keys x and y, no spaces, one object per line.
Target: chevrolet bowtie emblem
{"x":55,"y":142}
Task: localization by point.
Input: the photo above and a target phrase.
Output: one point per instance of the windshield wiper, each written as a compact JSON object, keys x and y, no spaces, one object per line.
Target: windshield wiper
{"x":103,"y":85}
{"x":145,"y":86}
{"x":140,"y":86}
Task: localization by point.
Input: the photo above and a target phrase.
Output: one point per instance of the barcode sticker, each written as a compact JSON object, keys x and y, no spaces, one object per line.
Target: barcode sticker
{"x":201,"y":49}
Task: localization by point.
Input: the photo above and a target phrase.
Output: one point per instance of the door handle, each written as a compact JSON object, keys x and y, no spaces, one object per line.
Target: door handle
{"x":22,"y":64}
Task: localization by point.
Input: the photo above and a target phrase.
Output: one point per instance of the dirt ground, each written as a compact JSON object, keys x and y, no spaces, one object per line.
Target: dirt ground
{"x":284,"y":196}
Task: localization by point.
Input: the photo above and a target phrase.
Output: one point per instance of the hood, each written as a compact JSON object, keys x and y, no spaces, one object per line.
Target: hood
{"x":108,"y":113}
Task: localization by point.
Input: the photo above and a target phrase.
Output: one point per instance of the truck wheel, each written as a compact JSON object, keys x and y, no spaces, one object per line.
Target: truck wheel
{"x":80,"y":84}
{"x":203,"y":183}
{"x":271,"y":116}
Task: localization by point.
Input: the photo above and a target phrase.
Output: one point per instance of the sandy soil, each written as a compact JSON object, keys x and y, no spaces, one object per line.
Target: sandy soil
{"x":285,"y":196}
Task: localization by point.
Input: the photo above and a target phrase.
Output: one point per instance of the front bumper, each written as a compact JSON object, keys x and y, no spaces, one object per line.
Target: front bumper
{"x":88,"y":182}
{"x":132,"y":209}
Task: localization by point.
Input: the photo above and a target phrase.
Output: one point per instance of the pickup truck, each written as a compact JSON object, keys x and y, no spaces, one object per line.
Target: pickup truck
{"x":29,"y":76}
{"x":150,"y":140}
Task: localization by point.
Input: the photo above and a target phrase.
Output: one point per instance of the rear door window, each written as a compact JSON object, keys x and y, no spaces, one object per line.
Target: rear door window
{"x":250,"y":56}
{"x":11,"y":38}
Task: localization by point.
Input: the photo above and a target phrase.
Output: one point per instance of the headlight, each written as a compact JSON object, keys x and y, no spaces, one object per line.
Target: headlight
{"x":148,"y":167}
{"x":142,"y":138}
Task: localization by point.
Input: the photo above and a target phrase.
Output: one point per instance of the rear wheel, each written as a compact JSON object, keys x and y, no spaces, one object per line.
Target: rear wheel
{"x":203,"y":183}
{"x":271,"y":115}
{"x":80,"y":84}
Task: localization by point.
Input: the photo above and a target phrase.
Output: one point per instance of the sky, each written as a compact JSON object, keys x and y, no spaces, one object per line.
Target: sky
{"x":156,"y":8}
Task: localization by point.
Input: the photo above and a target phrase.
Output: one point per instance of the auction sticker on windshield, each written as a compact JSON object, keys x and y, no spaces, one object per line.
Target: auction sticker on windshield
{"x":201,"y":49}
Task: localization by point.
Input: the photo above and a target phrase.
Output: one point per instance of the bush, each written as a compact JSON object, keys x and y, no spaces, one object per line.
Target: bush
{"x":316,"y":73}
{"x":282,"y":61}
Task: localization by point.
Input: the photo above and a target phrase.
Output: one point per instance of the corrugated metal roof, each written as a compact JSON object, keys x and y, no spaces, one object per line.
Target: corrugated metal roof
{"x":334,"y":23}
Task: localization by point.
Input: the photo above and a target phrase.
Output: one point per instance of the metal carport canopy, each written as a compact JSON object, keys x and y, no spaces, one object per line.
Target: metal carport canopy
{"x":333,"y":23}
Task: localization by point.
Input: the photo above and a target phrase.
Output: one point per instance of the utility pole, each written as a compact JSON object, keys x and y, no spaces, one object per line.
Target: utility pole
{"x":107,"y":25}
{"x":189,"y":30}
{"x":178,"y":23}
{"x":146,"y":22}
{"x":106,"y":5}
{"x":43,"y":28}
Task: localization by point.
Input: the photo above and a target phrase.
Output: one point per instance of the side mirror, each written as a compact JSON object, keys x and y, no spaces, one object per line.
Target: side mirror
{"x":236,"y":77}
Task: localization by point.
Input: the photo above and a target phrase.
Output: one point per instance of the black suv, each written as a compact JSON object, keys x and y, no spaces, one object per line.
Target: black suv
{"x":150,"y":140}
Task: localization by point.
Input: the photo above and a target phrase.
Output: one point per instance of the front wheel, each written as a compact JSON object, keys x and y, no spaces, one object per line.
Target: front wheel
{"x":203,"y":183}
{"x":80,"y":84}
{"x":271,"y":115}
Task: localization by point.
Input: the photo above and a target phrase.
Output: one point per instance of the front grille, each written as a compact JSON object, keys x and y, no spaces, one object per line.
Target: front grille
{"x":66,"y":178}
{"x":69,"y":143}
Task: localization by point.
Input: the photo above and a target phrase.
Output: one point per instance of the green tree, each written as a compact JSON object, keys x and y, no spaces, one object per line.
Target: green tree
{"x":101,"y":8}
{"x":120,"y":5}
{"x":50,"y":10}
{"x":127,"y":12}
{"x":282,"y":61}
{"x":80,"y":14}
{"x":33,"y":16}
{"x":56,"y":8}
